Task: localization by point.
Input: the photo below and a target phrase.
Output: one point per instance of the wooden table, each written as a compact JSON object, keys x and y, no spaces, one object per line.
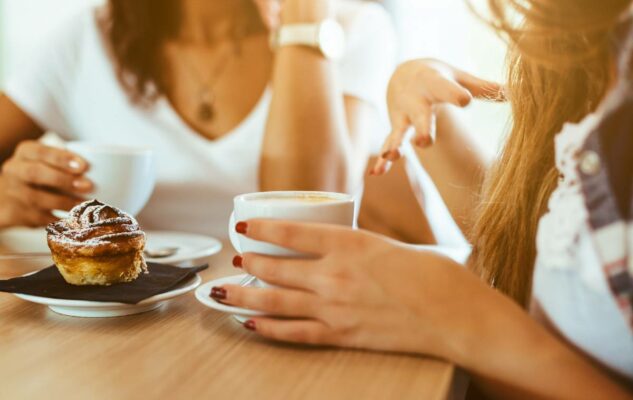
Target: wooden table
{"x":186,"y":350}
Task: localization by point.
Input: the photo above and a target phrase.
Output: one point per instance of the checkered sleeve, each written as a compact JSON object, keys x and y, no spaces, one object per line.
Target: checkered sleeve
{"x":606,"y":171}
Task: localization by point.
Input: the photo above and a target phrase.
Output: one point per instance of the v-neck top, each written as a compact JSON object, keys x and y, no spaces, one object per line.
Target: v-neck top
{"x":69,"y":86}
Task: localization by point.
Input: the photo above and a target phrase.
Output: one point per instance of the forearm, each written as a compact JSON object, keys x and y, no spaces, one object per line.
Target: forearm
{"x":307,"y":144}
{"x":15,"y":126}
{"x":499,"y":343}
{"x":457,"y":166}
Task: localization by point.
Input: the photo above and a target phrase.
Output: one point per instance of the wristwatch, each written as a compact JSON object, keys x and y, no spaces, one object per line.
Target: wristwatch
{"x":327,"y":36}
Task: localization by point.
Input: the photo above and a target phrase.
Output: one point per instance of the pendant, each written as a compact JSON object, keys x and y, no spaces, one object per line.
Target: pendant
{"x":205,"y":111}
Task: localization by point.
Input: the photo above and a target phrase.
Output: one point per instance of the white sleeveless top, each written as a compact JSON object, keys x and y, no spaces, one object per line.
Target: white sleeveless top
{"x":569,"y":280}
{"x":69,"y":86}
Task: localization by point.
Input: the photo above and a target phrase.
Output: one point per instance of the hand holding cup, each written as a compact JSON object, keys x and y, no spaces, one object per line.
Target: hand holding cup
{"x":38,"y":179}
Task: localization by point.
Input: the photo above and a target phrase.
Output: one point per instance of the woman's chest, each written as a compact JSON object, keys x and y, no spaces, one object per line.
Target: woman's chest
{"x":569,"y":281}
{"x":213,"y":92}
{"x":561,"y":227}
{"x":101,"y":112}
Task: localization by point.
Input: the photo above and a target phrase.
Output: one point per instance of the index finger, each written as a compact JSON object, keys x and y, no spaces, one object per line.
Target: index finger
{"x":481,"y":88}
{"x":390,"y":151}
{"x":381,"y":166}
{"x":54,"y":157}
{"x":311,"y":238}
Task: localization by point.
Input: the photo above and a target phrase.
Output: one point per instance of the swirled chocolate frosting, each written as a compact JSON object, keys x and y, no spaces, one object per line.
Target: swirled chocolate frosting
{"x":95,"y":229}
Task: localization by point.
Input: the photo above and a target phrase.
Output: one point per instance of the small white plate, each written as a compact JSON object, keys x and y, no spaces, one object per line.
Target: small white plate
{"x":24,"y":240}
{"x":95,"y":309}
{"x":203,"y":295}
{"x":191,"y":247}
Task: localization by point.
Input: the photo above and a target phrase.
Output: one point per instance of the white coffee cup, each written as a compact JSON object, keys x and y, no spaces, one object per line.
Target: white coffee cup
{"x":123,"y":176}
{"x":322,"y":207}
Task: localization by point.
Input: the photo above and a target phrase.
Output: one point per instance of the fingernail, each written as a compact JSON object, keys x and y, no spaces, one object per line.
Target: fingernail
{"x":74,"y":164}
{"x":218,"y":293}
{"x":241,"y":228}
{"x":423,"y":141}
{"x":390,"y":155}
{"x":237,"y":261}
{"x":82,"y":184}
{"x":250,"y":325}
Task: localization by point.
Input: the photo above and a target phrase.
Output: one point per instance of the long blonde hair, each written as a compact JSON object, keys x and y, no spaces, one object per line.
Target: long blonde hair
{"x":560,"y":65}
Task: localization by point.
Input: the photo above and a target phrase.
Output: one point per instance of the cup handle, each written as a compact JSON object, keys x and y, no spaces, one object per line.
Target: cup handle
{"x":233,"y":235}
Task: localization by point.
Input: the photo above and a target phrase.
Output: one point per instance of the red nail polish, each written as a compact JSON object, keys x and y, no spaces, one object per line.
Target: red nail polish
{"x":422,"y":142}
{"x":250,"y":325}
{"x":237,"y":261}
{"x":218,"y":293}
{"x":241,"y":227}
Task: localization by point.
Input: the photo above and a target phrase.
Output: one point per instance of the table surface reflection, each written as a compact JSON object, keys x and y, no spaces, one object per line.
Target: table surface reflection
{"x":185,"y":350}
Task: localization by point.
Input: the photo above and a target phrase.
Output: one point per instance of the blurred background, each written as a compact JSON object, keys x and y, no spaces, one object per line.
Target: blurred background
{"x":442,"y":29}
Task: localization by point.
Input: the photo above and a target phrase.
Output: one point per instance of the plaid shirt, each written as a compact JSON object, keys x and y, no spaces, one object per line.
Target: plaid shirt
{"x":605,"y":167}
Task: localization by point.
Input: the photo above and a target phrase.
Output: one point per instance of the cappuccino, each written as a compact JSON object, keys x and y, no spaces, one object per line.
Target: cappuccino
{"x":323,"y":207}
{"x":295,"y":198}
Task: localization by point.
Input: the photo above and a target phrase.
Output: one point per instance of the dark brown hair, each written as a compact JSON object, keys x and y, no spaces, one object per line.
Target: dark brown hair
{"x":136,"y":30}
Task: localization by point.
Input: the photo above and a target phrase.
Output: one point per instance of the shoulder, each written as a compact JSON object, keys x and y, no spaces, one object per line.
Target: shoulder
{"x":605,"y":162}
{"x":362,"y":18}
{"x":349,"y":11}
{"x":43,"y":78}
{"x":53,"y":55}
{"x":369,"y":34}
{"x":74,"y":27}
{"x":370,"y":51}
{"x":61,"y":46}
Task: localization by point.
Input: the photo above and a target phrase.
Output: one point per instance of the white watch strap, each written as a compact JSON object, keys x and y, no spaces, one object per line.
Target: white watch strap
{"x":298,"y":34}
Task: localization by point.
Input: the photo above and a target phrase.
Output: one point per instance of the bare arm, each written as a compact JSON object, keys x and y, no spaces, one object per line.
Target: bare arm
{"x":15,"y":126}
{"x":457,"y":165}
{"x":513,"y":356}
{"x":382,"y":295}
{"x":34,"y":179}
{"x":313,"y":136}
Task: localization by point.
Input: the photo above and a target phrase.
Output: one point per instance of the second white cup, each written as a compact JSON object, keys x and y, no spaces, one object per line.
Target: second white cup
{"x":123,"y":176}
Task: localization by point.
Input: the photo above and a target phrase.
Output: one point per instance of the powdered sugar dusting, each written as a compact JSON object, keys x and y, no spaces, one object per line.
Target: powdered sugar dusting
{"x":92,"y":224}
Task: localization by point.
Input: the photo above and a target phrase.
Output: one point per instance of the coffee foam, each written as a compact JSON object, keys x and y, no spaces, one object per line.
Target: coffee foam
{"x":309,"y":199}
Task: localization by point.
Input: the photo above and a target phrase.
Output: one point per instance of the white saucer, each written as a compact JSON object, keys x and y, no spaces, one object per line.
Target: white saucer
{"x":24,"y":240}
{"x":95,"y":309}
{"x":191,"y":247}
{"x":203,"y":295}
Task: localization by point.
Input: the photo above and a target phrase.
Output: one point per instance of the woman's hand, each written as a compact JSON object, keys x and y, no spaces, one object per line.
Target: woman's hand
{"x":415,"y":89}
{"x":361,"y":290}
{"x":38,"y":179}
{"x":364,"y":291}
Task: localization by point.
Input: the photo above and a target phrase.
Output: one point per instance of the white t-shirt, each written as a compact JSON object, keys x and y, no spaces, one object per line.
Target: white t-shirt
{"x":569,"y":281}
{"x":70,"y":87}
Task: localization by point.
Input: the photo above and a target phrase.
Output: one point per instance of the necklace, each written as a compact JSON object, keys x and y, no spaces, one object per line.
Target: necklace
{"x":206,"y":97}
